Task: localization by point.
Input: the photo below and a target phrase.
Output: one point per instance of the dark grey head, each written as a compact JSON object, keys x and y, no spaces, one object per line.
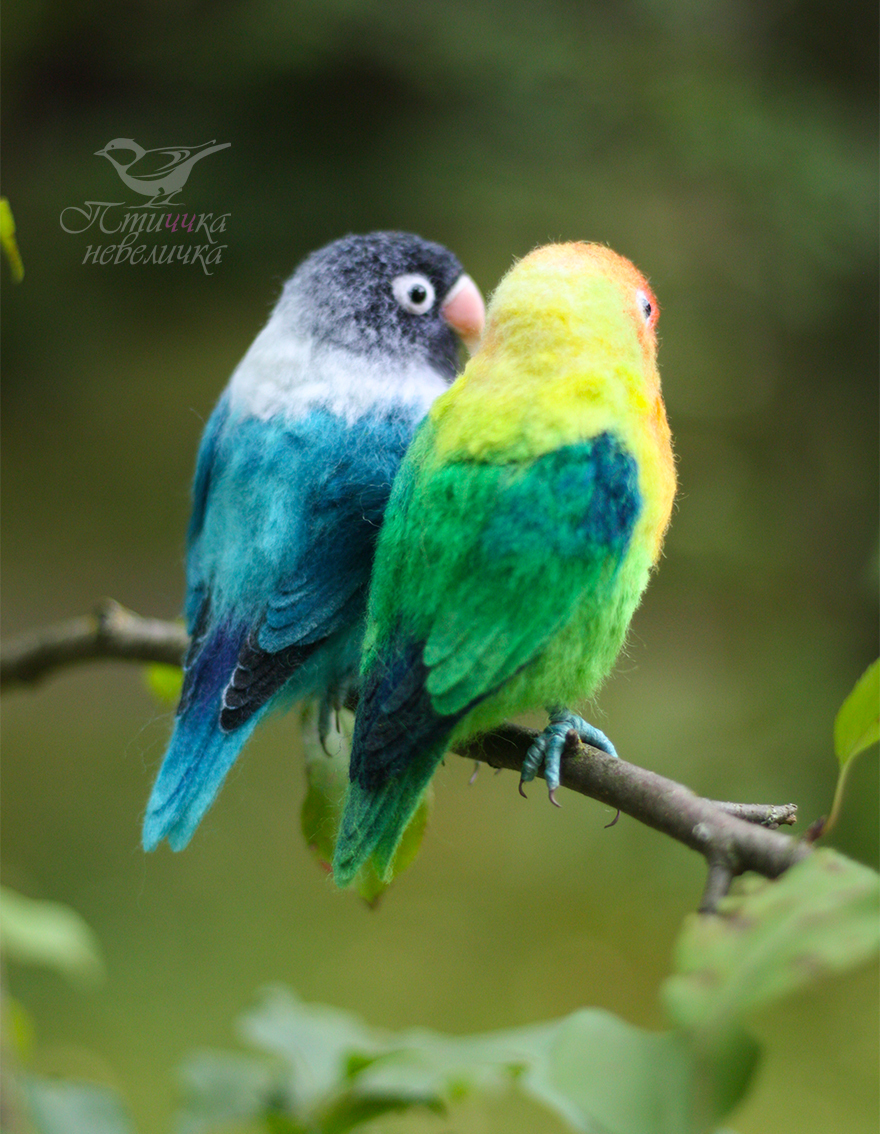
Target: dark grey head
{"x":377,"y":294}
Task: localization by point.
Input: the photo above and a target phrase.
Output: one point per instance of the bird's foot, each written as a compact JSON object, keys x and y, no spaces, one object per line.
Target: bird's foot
{"x":328,"y":721}
{"x":547,"y":749}
{"x":338,"y":697}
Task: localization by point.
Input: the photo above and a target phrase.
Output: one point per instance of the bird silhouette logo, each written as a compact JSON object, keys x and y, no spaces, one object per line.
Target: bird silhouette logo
{"x":158,"y":174}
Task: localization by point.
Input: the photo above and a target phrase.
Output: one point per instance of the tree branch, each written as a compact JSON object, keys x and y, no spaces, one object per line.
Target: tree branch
{"x":732,"y":837}
{"x":730,"y":844}
{"x":111,"y":632}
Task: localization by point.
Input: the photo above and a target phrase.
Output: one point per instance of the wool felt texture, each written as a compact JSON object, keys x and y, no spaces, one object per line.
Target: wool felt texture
{"x":520,"y":533}
{"x":293,"y":475}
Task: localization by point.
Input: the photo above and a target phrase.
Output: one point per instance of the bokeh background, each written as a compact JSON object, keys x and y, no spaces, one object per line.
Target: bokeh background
{"x":729,"y":148}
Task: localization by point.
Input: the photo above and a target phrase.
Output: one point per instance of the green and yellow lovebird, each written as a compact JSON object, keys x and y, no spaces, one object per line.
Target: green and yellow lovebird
{"x":522,"y":529}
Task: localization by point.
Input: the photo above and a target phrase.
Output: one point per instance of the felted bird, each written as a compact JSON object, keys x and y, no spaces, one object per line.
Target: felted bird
{"x":521,"y":532}
{"x":159,"y":173}
{"x":292,"y":478}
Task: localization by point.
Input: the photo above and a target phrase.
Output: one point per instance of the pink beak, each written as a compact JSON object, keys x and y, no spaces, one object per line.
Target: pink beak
{"x":464,"y":311}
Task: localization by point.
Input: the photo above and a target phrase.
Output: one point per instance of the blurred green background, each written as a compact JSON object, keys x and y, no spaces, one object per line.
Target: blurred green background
{"x":728,"y":148}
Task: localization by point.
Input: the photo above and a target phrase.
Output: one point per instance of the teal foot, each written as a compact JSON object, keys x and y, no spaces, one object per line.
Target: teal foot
{"x":546,"y":750}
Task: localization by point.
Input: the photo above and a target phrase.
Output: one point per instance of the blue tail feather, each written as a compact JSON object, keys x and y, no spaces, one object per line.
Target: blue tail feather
{"x":198,"y":758}
{"x":200,"y":752}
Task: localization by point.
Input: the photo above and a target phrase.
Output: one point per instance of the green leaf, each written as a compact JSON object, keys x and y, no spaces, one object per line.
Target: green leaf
{"x":857,"y":725}
{"x":75,"y":1108}
{"x":18,"y":1028}
{"x":596,"y":1071}
{"x":8,"y":243}
{"x":164,"y":682}
{"x":771,"y":937}
{"x":327,"y":779}
{"x":344,"y":1071}
{"x":422,"y":1064}
{"x":49,"y":934}
{"x":221,"y":1089}
{"x":315,"y":1042}
{"x":603,"y":1074}
{"x":355,"y":1109}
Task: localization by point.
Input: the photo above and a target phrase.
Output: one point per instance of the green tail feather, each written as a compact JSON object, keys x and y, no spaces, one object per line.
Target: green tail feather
{"x":374,"y":819}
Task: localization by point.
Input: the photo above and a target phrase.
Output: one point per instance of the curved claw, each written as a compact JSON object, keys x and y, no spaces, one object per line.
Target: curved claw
{"x":546,"y":752}
{"x":547,"y":749}
{"x":325,"y":716}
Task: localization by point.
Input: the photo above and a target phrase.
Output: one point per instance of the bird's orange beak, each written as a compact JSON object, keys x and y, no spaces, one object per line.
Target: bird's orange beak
{"x":464,"y":311}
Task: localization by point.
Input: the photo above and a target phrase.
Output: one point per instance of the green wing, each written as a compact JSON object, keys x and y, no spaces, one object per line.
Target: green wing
{"x":491,"y":560}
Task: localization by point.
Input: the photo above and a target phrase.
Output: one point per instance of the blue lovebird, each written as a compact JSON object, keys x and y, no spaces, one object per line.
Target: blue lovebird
{"x":292,"y":478}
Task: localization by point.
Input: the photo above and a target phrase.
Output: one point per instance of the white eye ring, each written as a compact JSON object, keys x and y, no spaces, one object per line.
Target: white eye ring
{"x":645,"y":305}
{"x":414,"y":293}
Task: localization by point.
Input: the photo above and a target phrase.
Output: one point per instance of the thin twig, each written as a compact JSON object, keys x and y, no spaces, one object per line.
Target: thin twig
{"x":718,"y":882}
{"x":767,"y":815}
{"x":732,"y":837}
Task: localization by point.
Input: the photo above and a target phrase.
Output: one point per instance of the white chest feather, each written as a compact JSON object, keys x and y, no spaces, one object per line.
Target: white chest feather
{"x":292,"y":376}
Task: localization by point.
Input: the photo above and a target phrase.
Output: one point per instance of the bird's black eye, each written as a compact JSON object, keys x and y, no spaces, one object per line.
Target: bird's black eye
{"x":645,"y":305}
{"x":414,"y":293}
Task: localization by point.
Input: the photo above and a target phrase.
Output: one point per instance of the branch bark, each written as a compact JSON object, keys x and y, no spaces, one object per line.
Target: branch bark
{"x":111,"y":632}
{"x":732,"y":837}
{"x":731,"y":844}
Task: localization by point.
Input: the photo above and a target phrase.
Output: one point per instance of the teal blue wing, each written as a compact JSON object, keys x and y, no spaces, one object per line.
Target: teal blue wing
{"x":196,"y":583}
